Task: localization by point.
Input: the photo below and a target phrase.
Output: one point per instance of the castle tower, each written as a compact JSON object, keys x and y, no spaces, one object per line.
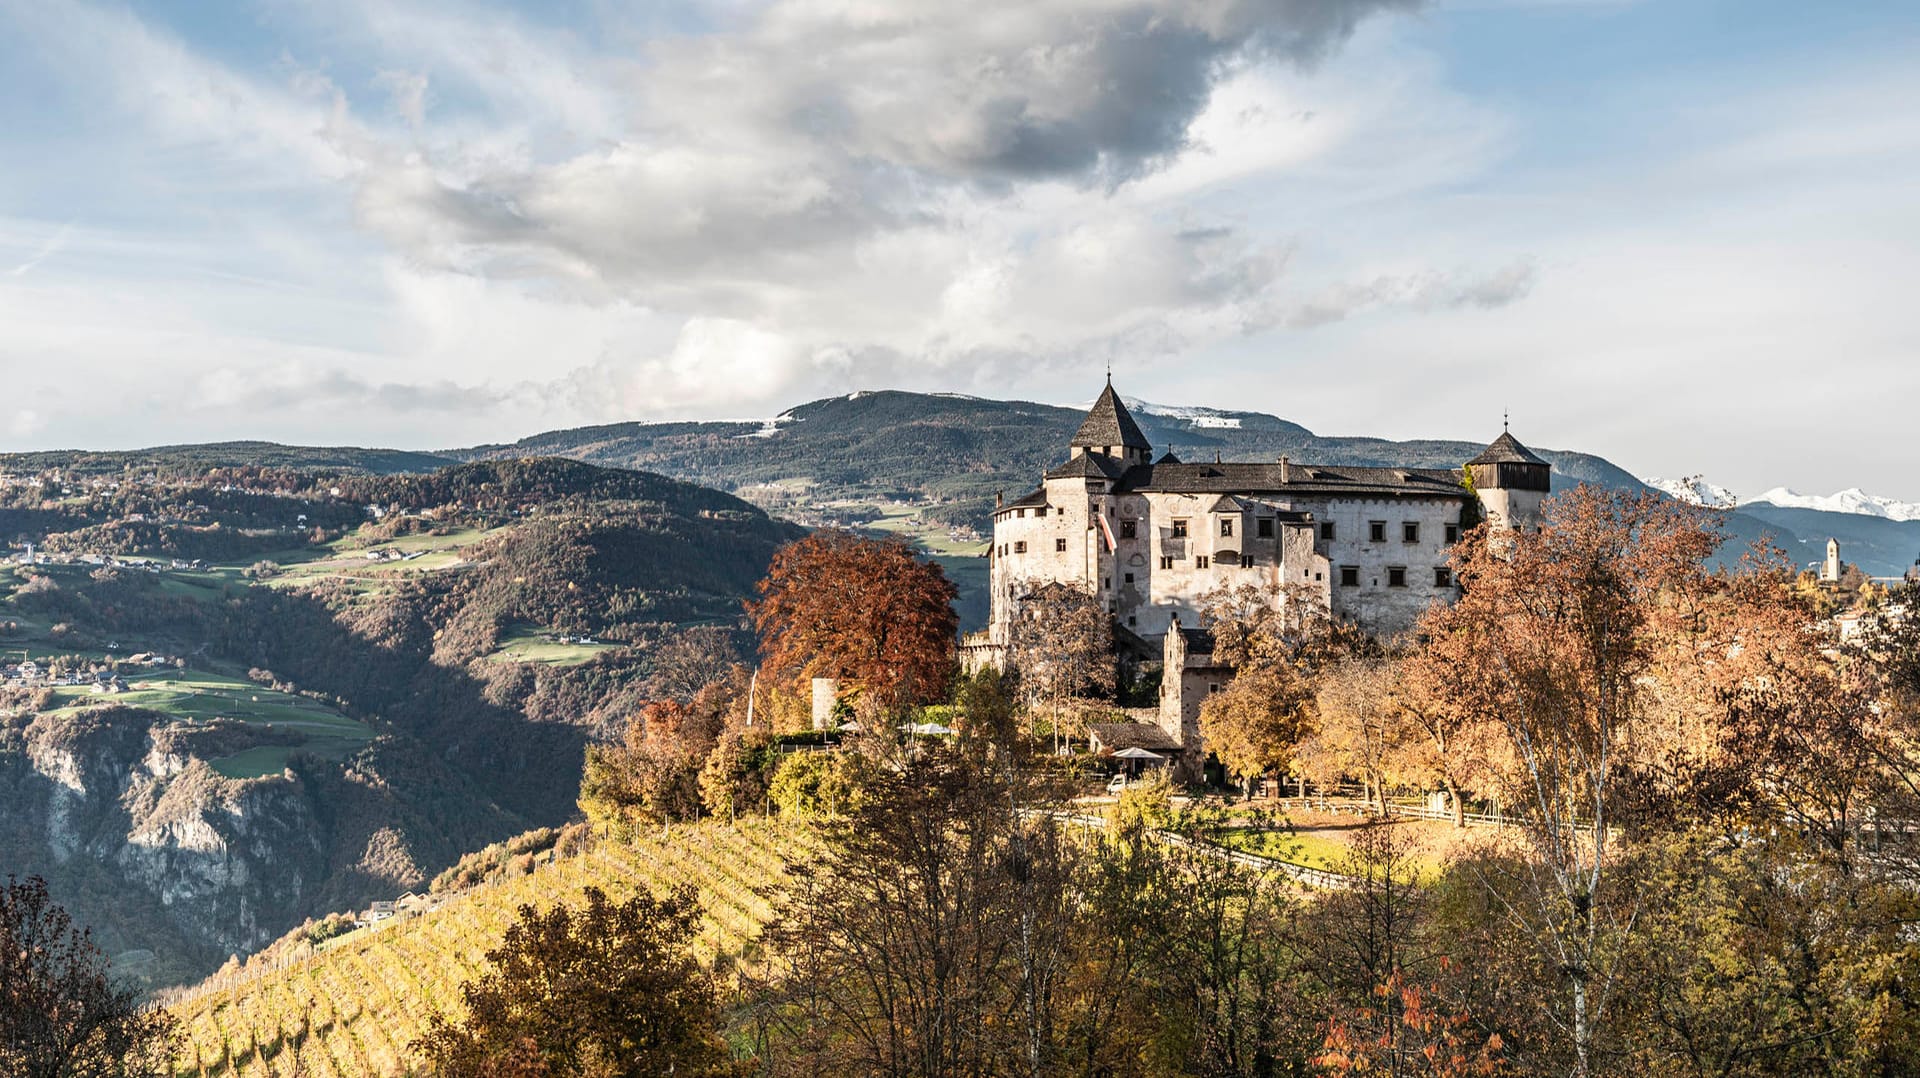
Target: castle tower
{"x":1512,"y":483}
{"x":1110,"y":430}
{"x":1830,"y":569}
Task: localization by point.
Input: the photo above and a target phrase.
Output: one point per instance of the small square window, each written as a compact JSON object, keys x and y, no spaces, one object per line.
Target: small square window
{"x":1349,"y":576}
{"x":1453,"y":533}
{"x":1226,"y":527}
{"x":1246,"y":561}
{"x":1020,"y":547}
{"x":1166,"y":563}
{"x":1180,"y":529}
{"x":1128,"y":578}
{"x":1376,"y":531}
{"x":1201,"y":562}
{"x":1263,"y":528}
{"x":1039,"y":510}
{"x":1410,"y":531}
{"x":1128,"y":529}
{"x":1326,"y":530}
{"x":1442,"y":577}
{"x":1019,"y":512}
{"x":1132,"y":620}
{"x":1059,"y":546}
{"x":1397,"y":576}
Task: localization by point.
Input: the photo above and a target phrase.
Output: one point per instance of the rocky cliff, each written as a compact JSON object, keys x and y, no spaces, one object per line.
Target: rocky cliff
{"x":145,"y":841}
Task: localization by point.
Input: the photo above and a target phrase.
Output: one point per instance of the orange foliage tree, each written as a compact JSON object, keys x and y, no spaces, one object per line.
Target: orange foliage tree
{"x":864,"y":610}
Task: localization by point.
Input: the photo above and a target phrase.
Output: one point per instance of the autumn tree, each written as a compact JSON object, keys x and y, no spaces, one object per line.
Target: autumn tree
{"x":904,"y":946}
{"x":60,"y":1014}
{"x":865,"y":610}
{"x":653,"y":774}
{"x":1361,"y":726}
{"x":1564,"y":625}
{"x":1448,"y":746}
{"x":603,"y":990}
{"x":1062,"y":647}
{"x":1254,"y":724}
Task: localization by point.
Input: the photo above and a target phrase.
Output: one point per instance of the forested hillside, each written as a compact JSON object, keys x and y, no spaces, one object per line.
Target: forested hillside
{"x":241,"y":699}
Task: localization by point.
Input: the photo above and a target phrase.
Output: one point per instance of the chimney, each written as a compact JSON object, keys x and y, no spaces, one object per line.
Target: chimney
{"x":1286,"y":469}
{"x":999,"y":498}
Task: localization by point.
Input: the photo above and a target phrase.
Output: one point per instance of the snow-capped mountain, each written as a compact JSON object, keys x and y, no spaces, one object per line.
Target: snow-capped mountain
{"x":1851,"y":500}
{"x":1694,"y":491}
{"x":1199,"y":417}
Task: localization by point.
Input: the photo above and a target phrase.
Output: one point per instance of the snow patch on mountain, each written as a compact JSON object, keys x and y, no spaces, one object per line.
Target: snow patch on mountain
{"x":1199,"y":417}
{"x":1694,"y":491}
{"x":1851,"y":500}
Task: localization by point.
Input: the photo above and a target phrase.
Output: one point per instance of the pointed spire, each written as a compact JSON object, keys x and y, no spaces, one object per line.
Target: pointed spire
{"x":1108,"y":424}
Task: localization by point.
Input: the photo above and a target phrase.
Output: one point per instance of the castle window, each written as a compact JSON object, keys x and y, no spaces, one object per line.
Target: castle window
{"x":1396,"y":576}
{"x":1020,"y":547}
{"x":1349,"y":576}
{"x":1128,"y":528}
{"x":1453,"y":533}
{"x":1376,"y":531}
{"x":1020,"y":512}
{"x":1410,"y":531}
{"x":1201,"y":561}
{"x":1131,"y":620}
{"x":1180,"y":528}
{"x":1246,"y":561}
{"x":1263,"y":527}
{"x":1113,"y":608}
{"x":1166,"y":563}
{"x":1326,"y":530}
{"x":1442,"y":577}
{"x":1226,"y":527}
{"x":1128,"y":578}
{"x":1039,"y":510}
{"x":1059,"y":546}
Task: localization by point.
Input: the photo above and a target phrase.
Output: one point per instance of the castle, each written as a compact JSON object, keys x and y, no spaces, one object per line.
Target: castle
{"x":1151,"y":539}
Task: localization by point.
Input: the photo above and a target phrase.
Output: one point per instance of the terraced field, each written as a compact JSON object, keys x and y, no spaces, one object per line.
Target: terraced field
{"x":352,"y":1008}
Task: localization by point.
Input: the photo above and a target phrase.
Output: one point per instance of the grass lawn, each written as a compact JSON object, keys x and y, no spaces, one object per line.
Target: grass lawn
{"x":526,"y":646}
{"x":196,"y":694}
{"x":1325,"y":847}
{"x":202,"y":696}
{"x":1295,"y":848}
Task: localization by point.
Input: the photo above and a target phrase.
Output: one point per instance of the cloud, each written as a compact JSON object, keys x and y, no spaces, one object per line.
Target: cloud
{"x":1420,"y":291}
{"x":409,"y":93}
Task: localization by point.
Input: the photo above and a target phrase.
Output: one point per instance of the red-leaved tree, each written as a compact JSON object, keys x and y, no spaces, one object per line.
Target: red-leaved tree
{"x":865,"y":610}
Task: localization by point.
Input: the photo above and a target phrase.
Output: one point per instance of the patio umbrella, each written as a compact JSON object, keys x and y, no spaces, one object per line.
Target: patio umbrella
{"x":1137,"y":754}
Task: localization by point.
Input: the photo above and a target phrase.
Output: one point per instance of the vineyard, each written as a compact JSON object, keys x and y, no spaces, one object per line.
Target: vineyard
{"x":351,"y":1008}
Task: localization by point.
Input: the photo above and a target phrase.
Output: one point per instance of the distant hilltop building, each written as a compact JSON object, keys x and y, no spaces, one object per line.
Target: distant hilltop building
{"x":1151,"y":538}
{"x":1830,"y":569}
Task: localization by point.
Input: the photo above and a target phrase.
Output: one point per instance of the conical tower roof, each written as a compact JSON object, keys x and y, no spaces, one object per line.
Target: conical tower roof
{"x":1507,"y":449}
{"x":1109,"y":424}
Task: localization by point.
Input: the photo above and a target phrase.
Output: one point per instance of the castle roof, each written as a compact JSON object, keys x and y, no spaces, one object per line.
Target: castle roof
{"x":1507,"y":449}
{"x":1108,"y":423}
{"x":1297,"y":479}
{"x":1089,"y":466}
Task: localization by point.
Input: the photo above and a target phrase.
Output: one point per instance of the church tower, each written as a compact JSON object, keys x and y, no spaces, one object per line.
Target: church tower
{"x":1512,"y":483}
{"x":1830,"y":569}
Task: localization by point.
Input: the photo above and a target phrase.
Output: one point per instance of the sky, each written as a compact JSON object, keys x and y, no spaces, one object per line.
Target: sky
{"x":1681,"y":234}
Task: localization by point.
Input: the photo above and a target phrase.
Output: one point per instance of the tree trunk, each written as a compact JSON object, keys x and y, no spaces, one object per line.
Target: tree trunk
{"x":1454,"y":803}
